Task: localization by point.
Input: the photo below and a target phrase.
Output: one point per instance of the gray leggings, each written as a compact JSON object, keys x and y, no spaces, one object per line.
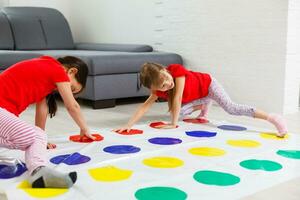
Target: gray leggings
{"x":217,"y":93}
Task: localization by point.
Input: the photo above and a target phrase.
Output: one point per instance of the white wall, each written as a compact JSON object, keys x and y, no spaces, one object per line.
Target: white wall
{"x":292,"y":79}
{"x":3,"y":3}
{"x":241,"y":43}
{"x":116,"y":21}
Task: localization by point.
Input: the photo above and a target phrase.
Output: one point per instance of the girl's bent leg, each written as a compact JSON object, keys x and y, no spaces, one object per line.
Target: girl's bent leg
{"x":36,"y":153}
{"x":199,"y":104}
{"x":17,"y":134}
{"x":43,"y":176}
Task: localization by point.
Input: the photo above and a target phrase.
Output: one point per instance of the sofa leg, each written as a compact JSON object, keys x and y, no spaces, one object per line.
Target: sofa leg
{"x":109,"y":103}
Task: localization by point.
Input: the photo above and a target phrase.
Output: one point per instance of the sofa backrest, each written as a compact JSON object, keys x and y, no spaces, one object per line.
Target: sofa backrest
{"x":6,"y":37}
{"x":36,"y":28}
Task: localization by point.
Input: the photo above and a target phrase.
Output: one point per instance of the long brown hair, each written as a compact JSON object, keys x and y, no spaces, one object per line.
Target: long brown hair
{"x":81,"y":76}
{"x":150,"y":75}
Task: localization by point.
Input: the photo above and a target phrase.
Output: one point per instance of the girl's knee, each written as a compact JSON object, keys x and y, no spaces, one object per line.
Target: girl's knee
{"x":40,"y":134}
{"x":27,"y":139}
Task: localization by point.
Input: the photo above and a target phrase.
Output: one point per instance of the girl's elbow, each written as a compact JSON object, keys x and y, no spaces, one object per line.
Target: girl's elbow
{"x":73,"y":107}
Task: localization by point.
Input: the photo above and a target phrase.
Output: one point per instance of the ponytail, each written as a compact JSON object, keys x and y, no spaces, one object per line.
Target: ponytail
{"x":52,"y":105}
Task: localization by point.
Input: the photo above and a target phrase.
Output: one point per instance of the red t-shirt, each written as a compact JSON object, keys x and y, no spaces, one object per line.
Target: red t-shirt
{"x":29,"y":82}
{"x":196,"y":83}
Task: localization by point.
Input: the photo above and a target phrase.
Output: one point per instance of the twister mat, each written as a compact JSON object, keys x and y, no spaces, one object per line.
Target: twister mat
{"x":197,"y":160}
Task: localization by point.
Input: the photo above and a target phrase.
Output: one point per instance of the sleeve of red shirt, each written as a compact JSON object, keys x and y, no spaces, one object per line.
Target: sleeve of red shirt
{"x":177,"y":70}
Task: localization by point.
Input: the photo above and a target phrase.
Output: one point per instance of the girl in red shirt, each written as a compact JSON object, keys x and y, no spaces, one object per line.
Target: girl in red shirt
{"x":188,"y":91}
{"x":31,"y":82}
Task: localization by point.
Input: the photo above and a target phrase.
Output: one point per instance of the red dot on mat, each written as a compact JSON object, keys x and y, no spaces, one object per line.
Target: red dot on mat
{"x":85,"y":139}
{"x":155,"y":124}
{"x":196,"y":121}
{"x":131,"y":132}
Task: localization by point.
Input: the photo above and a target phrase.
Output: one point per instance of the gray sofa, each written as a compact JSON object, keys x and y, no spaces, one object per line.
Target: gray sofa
{"x":29,"y":32}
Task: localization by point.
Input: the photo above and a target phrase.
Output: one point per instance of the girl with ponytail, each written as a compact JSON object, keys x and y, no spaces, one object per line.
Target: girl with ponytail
{"x":34,"y":82}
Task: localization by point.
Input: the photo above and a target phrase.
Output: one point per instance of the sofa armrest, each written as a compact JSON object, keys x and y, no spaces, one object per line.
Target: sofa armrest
{"x":114,"y":47}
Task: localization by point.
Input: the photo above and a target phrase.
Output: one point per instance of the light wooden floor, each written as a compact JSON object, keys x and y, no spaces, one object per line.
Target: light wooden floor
{"x":117,"y":116}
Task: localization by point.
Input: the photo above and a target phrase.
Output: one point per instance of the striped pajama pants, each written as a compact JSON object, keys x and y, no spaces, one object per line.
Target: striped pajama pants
{"x":17,"y":134}
{"x":217,"y":93}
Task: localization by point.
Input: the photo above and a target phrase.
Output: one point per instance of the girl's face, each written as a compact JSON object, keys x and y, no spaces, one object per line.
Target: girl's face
{"x":166,"y":83}
{"x":76,"y":87}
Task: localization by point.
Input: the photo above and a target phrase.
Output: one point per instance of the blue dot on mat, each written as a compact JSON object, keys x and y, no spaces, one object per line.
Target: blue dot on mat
{"x":232,"y":128}
{"x":164,"y":141}
{"x":121,"y":149}
{"x":201,"y":133}
{"x":70,"y":159}
{"x":7,"y":171}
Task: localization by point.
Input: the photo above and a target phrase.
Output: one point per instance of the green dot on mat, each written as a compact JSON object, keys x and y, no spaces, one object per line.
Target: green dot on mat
{"x":216,"y":178}
{"x":265,"y":165}
{"x":289,"y":154}
{"x":160,"y":193}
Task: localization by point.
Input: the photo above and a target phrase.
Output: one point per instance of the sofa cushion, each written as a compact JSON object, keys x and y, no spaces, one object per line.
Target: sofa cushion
{"x":113,"y":86}
{"x":39,"y":28}
{"x":6,"y":37}
{"x":130,"y":62}
{"x":112,"y":62}
{"x":28,"y":33}
{"x":8,"y":58}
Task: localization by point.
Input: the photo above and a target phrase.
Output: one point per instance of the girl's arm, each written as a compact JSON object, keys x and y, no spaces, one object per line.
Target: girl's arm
{"x":64,"y":89}
{"x":179,"y":82}
{"x":139,"y":113}
{"x":179,"y":87}
{"x":41,"y":112}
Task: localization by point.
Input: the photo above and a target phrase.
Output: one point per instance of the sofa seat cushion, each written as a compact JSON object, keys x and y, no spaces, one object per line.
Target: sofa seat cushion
{"x":111,"y":62}
{"x":9,"y":58}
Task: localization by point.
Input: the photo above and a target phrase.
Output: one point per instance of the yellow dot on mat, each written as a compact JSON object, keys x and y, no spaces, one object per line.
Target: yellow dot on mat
{"x":109,"y":174}
{"x":207,"y":151}
{"x":41,"y":192}
{"x":272,"y":136}
{"x":243,"y":143}
{"x":163,"y":162}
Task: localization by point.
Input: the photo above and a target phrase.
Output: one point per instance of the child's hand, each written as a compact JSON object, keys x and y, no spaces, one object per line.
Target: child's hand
{"x":124,"y":128}
{"x":166,"y":126}
{"x":85,"y":132}
{"x":51,"y":146}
